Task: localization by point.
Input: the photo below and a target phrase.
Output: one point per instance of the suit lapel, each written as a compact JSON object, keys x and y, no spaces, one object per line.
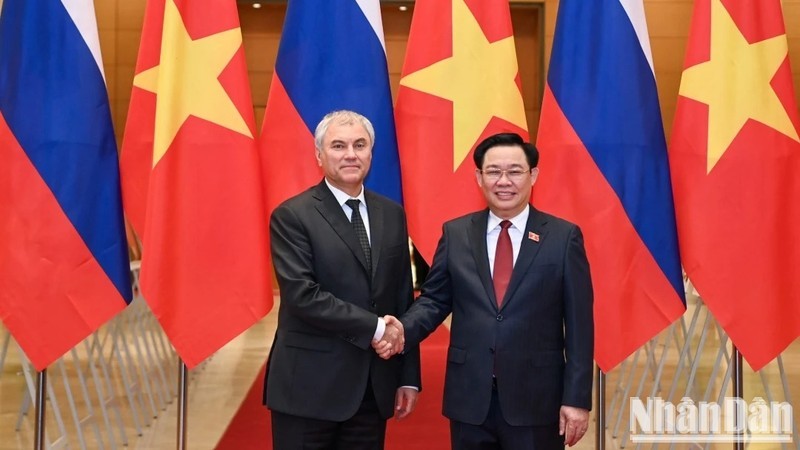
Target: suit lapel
{"x":333,"y":213}
{"x":376,"y":225}
{"x":477,"y":236}
{"x":529,"y":248}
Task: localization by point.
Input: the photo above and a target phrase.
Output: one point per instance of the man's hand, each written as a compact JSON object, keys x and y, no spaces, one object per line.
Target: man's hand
{"x":404,"y":402}
{"x":572,"y":424}
{"x":393,"y":340}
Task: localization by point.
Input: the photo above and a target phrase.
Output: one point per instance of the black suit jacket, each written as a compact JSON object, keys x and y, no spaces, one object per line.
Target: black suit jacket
{"x":538,"y":344}
{"x":322,"y":357}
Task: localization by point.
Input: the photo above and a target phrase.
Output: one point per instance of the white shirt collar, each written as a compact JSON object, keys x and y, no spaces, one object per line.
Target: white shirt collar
{"x":520,"y":221}
{"x":342,"y":196}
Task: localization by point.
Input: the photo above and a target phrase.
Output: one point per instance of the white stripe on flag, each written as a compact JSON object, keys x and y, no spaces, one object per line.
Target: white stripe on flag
{"x":372,"y":11}
{"x":82,"y":14}
{"x":635,"y":11}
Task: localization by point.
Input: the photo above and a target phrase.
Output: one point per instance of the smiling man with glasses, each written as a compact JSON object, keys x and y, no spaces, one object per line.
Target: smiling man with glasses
{"x":519,"y":365}
{"x":506,"y":171}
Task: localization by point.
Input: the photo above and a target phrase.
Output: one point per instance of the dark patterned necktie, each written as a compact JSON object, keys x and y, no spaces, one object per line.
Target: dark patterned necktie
{"x":503,"y":262}
{"x":361,"y":230}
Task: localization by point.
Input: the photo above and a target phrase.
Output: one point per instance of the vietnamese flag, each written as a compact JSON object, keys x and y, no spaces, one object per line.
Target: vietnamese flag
{"x":191,"y":178}
{"x":735,"y":155}
{"x":459,"y":85}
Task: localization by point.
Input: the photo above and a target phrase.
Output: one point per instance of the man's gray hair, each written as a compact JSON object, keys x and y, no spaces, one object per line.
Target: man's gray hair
{"x":342,"y":117}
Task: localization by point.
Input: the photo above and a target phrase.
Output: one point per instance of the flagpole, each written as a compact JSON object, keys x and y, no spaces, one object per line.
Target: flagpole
{"x":738,"y":393}
{"x":600,"y":426}
{"x":41,"y":389}
{"x":182,"y":391}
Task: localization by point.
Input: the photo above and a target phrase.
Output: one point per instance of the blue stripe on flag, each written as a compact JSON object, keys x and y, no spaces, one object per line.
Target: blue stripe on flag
{"x":330,"y":58}
{"x":53,"y":96}
{"x":607,"y":91}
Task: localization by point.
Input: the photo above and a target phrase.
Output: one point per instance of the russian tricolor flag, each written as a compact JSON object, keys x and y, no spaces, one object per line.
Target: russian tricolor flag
{"x":604,"y":166}
{"x":332,"y":56}
{"x":64,"y":267}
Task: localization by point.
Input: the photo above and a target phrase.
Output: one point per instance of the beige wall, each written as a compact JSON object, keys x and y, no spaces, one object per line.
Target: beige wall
{"x":120,"y":24}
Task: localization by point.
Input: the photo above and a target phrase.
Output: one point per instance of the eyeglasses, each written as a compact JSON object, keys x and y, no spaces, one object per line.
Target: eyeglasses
{"x":512,"y":174}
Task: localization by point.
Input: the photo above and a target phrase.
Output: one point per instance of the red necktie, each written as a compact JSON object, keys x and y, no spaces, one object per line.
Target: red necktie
{"x":503,"y":262}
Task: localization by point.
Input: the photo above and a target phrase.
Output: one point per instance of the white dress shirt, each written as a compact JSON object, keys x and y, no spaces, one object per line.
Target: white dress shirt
{"x":515,"y":231}
{"x":342,"y":197}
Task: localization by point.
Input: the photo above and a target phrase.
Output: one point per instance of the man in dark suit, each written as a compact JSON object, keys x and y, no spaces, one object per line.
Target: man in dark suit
{"x":341,"y":258}
{"x":519,"y":366}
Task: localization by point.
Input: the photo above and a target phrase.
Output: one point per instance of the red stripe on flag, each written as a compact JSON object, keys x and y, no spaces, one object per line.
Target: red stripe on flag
{"x":53,"y":293}
{"x":287,"y":149}
{"x":624,"y":319}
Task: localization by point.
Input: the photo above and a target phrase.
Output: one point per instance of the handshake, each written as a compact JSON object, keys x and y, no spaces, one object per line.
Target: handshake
{"x":393,"y":339}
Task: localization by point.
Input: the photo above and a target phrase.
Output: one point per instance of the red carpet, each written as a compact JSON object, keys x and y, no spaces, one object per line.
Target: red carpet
{"x":424,"y":429}
{"x":251,"y":427}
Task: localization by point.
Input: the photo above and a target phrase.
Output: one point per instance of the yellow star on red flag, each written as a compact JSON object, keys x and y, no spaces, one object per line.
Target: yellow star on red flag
{"x":735,"y":84}
{"x":477,"y":94}
{"x":191,"y":178}
{"x":735,"y":124}
{"x":186,"y":81}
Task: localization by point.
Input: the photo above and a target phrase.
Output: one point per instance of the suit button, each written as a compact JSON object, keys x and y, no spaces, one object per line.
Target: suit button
{"x":374,"y":304}
{"x":499,"y":317}
{"x":491,"y":350}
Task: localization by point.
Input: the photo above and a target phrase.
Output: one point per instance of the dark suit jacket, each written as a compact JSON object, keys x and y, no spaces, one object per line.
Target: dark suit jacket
{"x":539,"y":343}
{"x":322,"y":357}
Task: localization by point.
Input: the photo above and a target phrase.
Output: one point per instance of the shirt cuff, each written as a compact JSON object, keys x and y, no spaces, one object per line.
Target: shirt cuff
{"x":379,"y":330}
